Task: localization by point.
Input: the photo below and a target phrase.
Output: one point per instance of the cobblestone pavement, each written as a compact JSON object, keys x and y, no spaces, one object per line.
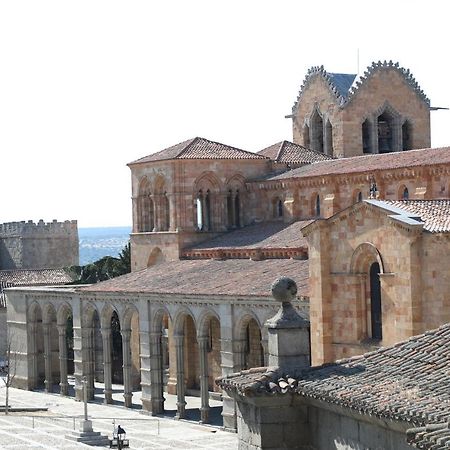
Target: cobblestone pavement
{"x":47,"y":429}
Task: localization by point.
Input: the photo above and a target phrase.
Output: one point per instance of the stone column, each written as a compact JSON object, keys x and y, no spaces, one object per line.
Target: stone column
{"x":157,"y":219}
{"x":89,"y":366}
{"x":181,"y":388}
{"x":48,"y":357}
{"x":172,"y":213}
{"x":156,"y":374}
{"x":126,"y":356}
{"x":33,"y":355}
{"x":63,"y":384}
{"x":204,"y":391}
{"x":107,"y":364}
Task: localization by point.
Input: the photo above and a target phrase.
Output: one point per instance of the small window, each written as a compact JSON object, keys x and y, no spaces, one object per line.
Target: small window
{"x":317,"y":207}
{"x":405,"y":195}
{"x":359,"y":197}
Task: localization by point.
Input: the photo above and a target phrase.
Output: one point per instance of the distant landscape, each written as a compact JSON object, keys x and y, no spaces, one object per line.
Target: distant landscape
{"x":95,"y":243}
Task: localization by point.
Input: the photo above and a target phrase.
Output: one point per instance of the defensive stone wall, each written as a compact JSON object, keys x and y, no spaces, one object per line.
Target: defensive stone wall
{"x":29,"y":245}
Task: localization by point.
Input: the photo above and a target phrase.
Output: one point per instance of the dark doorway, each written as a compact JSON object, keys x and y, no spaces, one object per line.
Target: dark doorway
{"x":117,"y":360}
{"x":375,"y":301}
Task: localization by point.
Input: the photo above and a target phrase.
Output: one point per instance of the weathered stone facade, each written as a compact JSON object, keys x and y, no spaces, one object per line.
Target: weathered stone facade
{"x":28,"y":245}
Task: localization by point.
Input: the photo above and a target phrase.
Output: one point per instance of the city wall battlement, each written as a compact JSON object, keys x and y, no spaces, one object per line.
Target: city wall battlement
{"x":42,"y":228}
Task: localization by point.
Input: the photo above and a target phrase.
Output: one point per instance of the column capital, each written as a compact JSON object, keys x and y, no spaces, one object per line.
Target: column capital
{"x":179,"y":339}
{"x":126,"y":334}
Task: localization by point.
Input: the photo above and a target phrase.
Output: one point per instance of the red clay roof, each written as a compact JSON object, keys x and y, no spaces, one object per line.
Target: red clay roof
{"x":35,"y":277}
{"x":262,"y":235}
{"x":370,"y":163}
{"x":199,"y":148}
{"x":233,"y":277}
{"x":290,"y":153}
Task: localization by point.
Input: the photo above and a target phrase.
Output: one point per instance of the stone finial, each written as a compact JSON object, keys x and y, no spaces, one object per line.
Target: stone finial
{"x":288,"y":331}
{"x":284,"y":289}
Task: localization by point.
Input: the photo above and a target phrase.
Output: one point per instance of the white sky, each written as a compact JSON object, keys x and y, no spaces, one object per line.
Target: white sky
{"x":88,"y":86}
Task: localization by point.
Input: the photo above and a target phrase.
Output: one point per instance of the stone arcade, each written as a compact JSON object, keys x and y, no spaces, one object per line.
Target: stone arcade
{"x":213,"y":225}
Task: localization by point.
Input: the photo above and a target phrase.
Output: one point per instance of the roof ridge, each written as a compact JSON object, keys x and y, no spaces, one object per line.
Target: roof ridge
{"x":186,"y":147}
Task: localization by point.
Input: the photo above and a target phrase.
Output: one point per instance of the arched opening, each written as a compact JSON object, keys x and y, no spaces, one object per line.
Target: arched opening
{"x":375,"y":302}
{"x":405,"y":194}
{"x":306,"y":141}
{"x":203,"y":204}
{"x":385,"y":123}
{"x":317,"y":131}
{"x":366,"y":137}
{"x":156,"y":256}
{"x":97,"y":349}
{"x":407,"y":135}
{"x":253,"y":352}
{"x":317,"y":206}
{"x":213,"y":348}
{"x":145,"y":208}
{"x":233,"y":209}
{"x":277,"y":208}
{"x":135,"y":352}
{"x":191,"y":356}
{"x":329,"y":138}
{"x":358,"y":197}
{"x":117,"y":356}
{"x":69,"y":344}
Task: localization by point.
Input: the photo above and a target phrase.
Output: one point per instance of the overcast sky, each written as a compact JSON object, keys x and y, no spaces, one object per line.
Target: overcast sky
{"x":88,"y":86}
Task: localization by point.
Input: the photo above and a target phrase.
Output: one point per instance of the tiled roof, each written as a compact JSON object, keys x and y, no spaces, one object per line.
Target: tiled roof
{"x":370,"y":163}
{"x":435,"y":214}
{"x":199,"y":148}
{"x":236,"y":277}
{"x":262,"y":235}
{"x":31,"y":277}
{"x":290,"y":153}
{"x":270,"y":238}
{"x":35,"y":277}
{"x":409,"y":381}
{"x":435,"y":436}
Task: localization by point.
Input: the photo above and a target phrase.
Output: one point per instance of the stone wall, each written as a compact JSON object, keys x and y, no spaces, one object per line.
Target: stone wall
{"x":28,"y":245}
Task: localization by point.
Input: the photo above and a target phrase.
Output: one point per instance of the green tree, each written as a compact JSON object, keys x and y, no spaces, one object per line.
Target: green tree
{"x":103,"y":269}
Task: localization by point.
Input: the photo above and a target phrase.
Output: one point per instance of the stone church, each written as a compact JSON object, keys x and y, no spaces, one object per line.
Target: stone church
{"x":356,"y":210}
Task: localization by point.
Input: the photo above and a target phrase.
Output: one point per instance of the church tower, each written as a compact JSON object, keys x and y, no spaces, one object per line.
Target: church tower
{"x":342,"y":115}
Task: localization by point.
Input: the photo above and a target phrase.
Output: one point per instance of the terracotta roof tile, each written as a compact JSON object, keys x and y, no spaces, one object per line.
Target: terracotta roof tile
{"x":199,"y":148}
{"x":35,"y":277}
{"x":370,"y":163}
{"x":434,"y":213}
{"x":238,"y":277}
{"x":274,"y":234}
{"x":290,"y":153}
{"x":409,"y":381}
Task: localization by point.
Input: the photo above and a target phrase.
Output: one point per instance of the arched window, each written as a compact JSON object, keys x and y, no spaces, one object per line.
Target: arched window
{"x":317,"y":206}
{"x":366,"y":140}
{"x":359,"y":197}
{"x":207,"y":211}
{"x":317,"y":131}
{"x":375,"y":302}
{"x":407,"y":135}
{"x":405,"y":194}
{"x":277,"y":205}
{"x":199,"y":206}
{"x":329,"y":138}
{"x":385,"y":124}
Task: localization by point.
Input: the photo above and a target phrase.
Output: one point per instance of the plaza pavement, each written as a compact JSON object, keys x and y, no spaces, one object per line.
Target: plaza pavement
{"x":47,"y":429}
